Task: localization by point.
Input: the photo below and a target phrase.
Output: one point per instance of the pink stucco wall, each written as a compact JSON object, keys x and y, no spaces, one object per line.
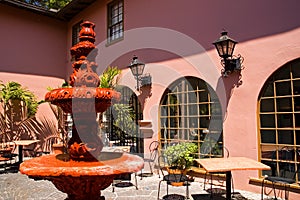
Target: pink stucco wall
{"x":32,"y":43}
{"x":32,"y":51}
{"x":174,"y":40}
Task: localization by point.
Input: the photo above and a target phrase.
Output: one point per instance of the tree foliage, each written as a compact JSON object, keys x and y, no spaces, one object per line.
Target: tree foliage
{"x":48,"y":4}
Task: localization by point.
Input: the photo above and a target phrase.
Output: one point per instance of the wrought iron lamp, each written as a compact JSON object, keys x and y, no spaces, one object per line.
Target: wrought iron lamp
{"x":225,"y":47}
{"x":137,"y":69}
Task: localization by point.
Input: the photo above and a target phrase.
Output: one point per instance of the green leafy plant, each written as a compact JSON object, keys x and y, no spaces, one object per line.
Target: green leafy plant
{"x":181,"y":154}
{"x":14,"y":91}
{"x":109,"y":78}
{"x":124,"y":118}
{"x":18,"y":105}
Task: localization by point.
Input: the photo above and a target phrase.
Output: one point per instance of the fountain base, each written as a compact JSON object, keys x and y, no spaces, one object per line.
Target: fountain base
{"x":80,"y":179}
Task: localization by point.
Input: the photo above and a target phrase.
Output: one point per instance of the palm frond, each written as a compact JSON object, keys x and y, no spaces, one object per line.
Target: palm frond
{"x":109,"y":77}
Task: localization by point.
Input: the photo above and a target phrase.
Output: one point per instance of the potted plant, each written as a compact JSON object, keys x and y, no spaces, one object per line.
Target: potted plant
{"x":18,"y":105}
{"x":181,"y":155}
{"x":180,"y":158}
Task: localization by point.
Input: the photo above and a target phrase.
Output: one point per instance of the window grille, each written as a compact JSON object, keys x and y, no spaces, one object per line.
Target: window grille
{"x":115,"y":21}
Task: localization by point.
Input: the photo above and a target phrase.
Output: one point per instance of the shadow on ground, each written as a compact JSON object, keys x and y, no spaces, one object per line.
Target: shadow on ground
{"x":236,"y":196}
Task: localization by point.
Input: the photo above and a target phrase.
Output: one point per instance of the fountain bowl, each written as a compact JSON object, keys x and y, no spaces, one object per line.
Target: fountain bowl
{"x":79,"y":179}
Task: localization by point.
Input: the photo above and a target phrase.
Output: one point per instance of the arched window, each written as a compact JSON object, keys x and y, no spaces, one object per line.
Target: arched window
{"x":279,"y":117}
{"x":191,"y":112}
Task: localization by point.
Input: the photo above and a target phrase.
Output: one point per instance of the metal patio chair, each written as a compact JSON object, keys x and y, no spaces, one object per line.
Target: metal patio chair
{"x":225,"y":155}
{"x":174,"y":177}
{"x":122,"y":178}
{"x":282,"y":171}
{"x":151,"y":160}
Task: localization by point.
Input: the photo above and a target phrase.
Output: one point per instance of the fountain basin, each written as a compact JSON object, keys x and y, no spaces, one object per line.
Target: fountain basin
{"x":89,"y":98}
{"x":80,"y":179}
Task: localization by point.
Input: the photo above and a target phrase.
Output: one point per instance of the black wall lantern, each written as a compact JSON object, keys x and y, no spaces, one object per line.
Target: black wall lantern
{"x":225,"y":47}
{"x":137,"y":69}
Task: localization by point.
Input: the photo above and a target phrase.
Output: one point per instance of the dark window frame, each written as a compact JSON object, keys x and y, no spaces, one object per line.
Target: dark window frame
{"x":75,"y":32}
{"x":279,"y":116}
{"x":186,"y":110}
{"x":115,"y":21}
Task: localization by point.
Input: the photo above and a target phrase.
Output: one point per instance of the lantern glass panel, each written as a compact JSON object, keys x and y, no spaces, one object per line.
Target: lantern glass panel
{"x":137,"y":69}
{"x":220,"y":50}
{"x":231,"y":46}
{"x":140,"y":69}
{"x":133,"y":70}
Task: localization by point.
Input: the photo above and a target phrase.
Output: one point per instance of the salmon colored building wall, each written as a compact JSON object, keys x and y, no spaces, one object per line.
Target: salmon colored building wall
{"x":174,"y":38}
{"x":32,"y":50}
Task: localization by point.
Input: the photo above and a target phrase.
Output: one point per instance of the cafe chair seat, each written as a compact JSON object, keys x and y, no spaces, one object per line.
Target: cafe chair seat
{"x":175,"y":178}
{"x":280,"y":179}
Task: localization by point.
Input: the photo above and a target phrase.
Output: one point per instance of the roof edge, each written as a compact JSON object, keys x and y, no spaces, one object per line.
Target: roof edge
{"x":29,"y":7}
{"x":64,"y":14}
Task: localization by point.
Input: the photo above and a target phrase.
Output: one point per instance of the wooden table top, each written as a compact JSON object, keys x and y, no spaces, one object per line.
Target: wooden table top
{"x":230,"y":164}
{"x":25,"y":142}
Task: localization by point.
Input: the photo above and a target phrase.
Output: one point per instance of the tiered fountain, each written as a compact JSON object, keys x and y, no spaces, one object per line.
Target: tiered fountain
{"x":85,"y":169}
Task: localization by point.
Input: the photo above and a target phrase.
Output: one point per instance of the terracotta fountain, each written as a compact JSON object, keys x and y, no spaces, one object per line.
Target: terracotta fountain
{"x":85,"y":169}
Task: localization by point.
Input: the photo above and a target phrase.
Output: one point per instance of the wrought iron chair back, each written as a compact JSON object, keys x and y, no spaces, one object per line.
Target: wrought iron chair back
{"x":151,"y":160}
{"x":283,"y":170}
{"x":225,"y":154}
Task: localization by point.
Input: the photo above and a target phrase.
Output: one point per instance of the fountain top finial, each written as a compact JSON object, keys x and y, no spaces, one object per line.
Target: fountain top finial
{"x":87,"y":31}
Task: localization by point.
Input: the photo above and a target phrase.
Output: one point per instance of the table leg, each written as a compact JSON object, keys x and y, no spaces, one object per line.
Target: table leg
{"x":20,"y":154}
{"x":228,"y":185}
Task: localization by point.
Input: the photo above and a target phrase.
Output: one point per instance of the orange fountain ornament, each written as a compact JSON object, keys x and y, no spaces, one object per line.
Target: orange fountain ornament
{"x":85,"y":170}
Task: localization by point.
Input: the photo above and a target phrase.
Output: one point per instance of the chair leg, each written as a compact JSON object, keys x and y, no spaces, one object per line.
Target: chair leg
{"x":232,"y":186}
{"x":274,"y":190}
{"x":204,"y":181}
{"x":211,"y":188}
{"x":150,"y":167}
{"x":286,"y":192}
{"x":158,"y":190}
{"x":113,"y":186}
{"x":262,"y":189}
{"x":158,"y":173}
{"x":141,"y":173}
{"x":167,"y":188}
{"x":136,"y":187}
{"x":187,"y":190}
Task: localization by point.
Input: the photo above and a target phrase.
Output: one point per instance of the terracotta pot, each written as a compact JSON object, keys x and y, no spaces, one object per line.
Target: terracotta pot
{"x":176,"y":171}
{"x":58,"y":148}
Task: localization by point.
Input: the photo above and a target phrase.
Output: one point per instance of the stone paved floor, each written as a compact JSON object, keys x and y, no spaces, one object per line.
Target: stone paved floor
{"x":15,"y":186}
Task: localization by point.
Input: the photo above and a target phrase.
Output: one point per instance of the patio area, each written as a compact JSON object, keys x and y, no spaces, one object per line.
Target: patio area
{"x":17,"y":186}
